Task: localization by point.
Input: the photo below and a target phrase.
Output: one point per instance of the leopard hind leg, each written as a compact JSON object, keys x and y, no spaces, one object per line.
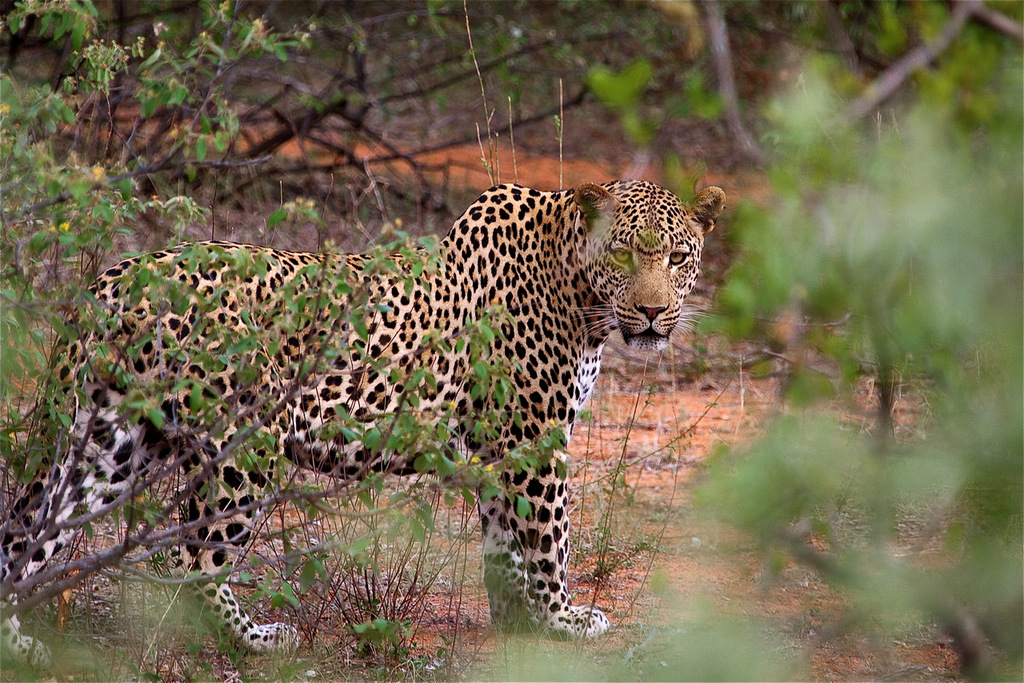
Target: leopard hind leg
{"x":100,"y":469}
{"x":230,"y":523}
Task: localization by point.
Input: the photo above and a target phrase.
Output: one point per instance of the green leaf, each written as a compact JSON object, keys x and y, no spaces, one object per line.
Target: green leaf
{"x":156,"y":416}
{"x":78,"y":30}
{"x":276,"y":218}
{"x":359,"y":547}
{"x":195,"y":397}
{"x":308,"y":574}
{"x":523,"y":507}
{"x":178,"y":95}
{"x":220,"y":140}
{"x":624,"y":89}
{"x":417,"y":530}
{"x":372,"y":438}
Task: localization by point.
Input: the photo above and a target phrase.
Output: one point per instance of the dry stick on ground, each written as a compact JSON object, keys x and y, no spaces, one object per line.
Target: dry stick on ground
{"x":722,"y":58}
{"x":895,"y":76}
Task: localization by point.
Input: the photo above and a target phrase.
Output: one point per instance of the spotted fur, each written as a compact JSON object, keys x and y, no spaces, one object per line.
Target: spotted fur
{"x":569,"y":267}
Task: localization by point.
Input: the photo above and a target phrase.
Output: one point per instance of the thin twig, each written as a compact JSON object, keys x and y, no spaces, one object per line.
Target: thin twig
{"x":561,"y":131}
{"x":602,"y":37}
{"x":162,"y":165}
{"x":490,"y":163}
{"x":839,"y":37}
{"x":512,"y":141}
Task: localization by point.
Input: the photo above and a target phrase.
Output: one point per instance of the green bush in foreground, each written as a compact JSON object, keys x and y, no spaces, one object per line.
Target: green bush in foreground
{"x":896,"y":254}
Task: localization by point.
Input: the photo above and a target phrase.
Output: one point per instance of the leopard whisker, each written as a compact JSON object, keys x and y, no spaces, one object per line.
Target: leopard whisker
{"x":689,"y":316}
{"x":595,"y":309}
{"x":598,"y":320}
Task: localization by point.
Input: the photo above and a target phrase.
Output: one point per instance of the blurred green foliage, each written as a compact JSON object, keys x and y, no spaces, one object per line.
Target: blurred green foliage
{"x":892,"y":252}
{"x":708,"y":647}
{"x":623,"y":92}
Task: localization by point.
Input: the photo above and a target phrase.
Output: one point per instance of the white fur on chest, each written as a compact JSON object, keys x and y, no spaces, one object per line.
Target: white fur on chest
{"x":586,"y":378}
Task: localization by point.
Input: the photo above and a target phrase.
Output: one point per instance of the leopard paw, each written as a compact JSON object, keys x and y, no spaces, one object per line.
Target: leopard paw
{"x":578,"y":622}
{"x":271,"y":637}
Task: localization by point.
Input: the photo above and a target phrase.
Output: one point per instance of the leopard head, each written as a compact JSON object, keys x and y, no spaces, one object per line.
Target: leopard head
{"x":642,"y":256}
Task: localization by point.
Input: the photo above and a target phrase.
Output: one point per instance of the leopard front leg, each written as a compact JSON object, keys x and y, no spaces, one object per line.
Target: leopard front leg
{"x":504,"y":568}
{"x":526,"y":558}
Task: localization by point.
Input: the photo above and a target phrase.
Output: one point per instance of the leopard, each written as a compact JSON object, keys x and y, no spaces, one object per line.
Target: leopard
{"x":568,"y":268}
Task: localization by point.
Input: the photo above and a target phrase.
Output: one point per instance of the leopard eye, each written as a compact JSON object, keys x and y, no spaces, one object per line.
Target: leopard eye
{"x":676,"y":258}
{"x":623,"y":258}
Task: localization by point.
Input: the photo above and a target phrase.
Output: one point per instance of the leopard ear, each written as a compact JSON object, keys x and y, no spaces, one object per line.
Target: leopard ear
{"x":594,"y":201}
{"x":707,"y":206}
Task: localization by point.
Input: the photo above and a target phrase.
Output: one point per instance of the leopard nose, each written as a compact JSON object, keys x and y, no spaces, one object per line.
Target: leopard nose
{"x":651,"y":311}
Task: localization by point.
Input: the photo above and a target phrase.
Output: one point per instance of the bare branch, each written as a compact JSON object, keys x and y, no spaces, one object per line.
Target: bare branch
{"x":721,"y":56}
{"x":540,"y":116}
{"x":997,"y":20}
{"x":895,"y":76}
